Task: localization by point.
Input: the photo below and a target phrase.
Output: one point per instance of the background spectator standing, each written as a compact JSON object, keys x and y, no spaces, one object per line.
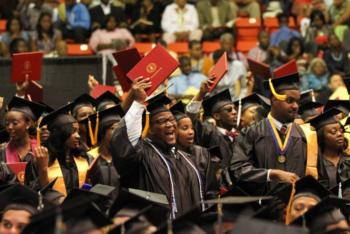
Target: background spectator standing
{"x":180,"y":22}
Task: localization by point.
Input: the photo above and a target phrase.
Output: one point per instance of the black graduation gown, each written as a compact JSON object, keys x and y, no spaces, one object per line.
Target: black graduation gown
{"x":339,"y":173}
{"x":255,"y":152}
{"x":141,"y":167}
{"x":202,"y":158}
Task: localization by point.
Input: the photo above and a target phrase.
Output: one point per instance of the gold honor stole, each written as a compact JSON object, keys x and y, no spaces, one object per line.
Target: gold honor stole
{"x":280,"y":145}
{"x":94,"y":152}
{"x":312,"y":150}
{"x":55,"y":171}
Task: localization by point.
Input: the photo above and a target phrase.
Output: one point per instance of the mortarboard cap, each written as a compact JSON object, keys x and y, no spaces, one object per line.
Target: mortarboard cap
{"x":156,"y":103}
{"x":256,"y":226}
{"x":214,"y":102}
{"x":342,"y":105}
{"x":327,"y":117}
{"x":178,"y":110}
{"x":253,"y":100}
{"x":30,"y":109}
{"x":83,"y":100}
{"x":59,"y":117}
{"x":19,"y":194}
{"x":79,"y":214}
{"x":306,"y":186}
{"x":134,"y":202}
{"x":329,"y":211}
{"x":308,"y":105}
{"x":289,"y":82}
{"x":106,"y":118}
{"x":106,"y":100}
{"x":307,"y":96}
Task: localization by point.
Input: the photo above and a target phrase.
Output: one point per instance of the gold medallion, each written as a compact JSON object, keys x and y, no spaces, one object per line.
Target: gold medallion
{"x":281,"y":159}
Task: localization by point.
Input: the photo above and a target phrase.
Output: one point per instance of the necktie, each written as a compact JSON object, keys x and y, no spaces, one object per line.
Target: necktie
{"x":283,"y":131}
{"x":232,"y":134}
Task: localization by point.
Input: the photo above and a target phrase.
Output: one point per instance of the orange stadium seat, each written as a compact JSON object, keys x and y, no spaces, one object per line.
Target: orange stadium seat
{"x":179,"y":47}
{"x":3,"y":25}
{"x":271,"y":24}
{"x":79,"y":50}
{"x":210,"y":46}
{"x":247,"y":29}
{"x":143,"y":47}
{"x":245,"y":46}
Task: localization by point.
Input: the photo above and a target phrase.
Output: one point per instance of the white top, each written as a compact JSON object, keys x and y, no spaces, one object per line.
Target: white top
{"x":133,"y":121}
{"x":175,"y":19}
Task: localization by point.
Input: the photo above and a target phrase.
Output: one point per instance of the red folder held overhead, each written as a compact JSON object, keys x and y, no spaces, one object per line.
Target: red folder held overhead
{"x":26,"y":66}
{"x":259,"y":69}
{"x":18,"y":169}
{"x":157,"y":65}
{"x":122,"y":78}
{"x":127,"y":59}
{"x":286,"y":69}
{"x":219,"y":70}
{"x":100,"y":89}
{"x":35,"y":91}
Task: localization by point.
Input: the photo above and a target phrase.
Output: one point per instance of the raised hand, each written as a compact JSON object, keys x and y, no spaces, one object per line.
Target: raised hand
{"x":21,"y":87}
{"x":92,"y":83}
{"x":138,"y":89}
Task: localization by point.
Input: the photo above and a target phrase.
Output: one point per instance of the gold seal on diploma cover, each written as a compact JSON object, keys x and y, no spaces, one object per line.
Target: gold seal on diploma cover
{"x":152,"y":67}
{"x":281,"y":159}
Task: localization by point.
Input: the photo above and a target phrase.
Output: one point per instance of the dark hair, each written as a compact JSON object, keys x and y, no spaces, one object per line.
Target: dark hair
{"x":289,"y":50}
{"x":107,"y":18}
{"x":14,"y":44}
{"x":56,"y":143}
{"x":183,"y":59}
{"x":317,"y":13}
{"x":282,"y":16}
{"x":39,"y":29}
{"x":20,"y":206}
{"x":8,"y":24}
{"x":193,"y":42}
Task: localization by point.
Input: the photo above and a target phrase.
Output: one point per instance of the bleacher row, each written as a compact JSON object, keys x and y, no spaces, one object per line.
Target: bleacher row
{"x":246,"y":36}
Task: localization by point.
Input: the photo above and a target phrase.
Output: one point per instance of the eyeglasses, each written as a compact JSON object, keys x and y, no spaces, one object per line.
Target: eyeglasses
{"x":164,"y":121}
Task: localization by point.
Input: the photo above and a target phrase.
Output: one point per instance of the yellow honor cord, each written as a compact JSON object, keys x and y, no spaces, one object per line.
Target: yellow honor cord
{"x":91,"y":133}
{"x":288,"y":209}
{"x":38,"y":141}
{"x":146,"y":128}
{"x":96,"y":127}
{"x":280,"y":97}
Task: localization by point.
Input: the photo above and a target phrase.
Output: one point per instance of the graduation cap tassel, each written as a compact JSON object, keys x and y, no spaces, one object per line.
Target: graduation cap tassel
{"x":146,"y":128}
{"x":38,"y":132}
{"x":91,"y":133}
{"x":340,"y":190}
{"x":170,"y":226}
{"x":40,"y":202}
{"x":219,"y":211}
{"x":280,"y":97}
{"x":239,"y":112}
{"x":96,"y":127}
{"x":292,"y":193}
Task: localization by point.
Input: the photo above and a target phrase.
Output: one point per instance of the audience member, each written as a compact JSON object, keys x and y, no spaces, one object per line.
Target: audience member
{"x":259,"y":53}
{"x":18,"y":45}
{"x":227,"y":43}
{"x":74,"y":20}
{"x":246,"y":8}
{"x":100,"y":12}
{"x":284,"y":33}
{"x":180,"y":22}
{"x":110,"y":38}
{"x":316,"y":77}
{"x":30,"y":15}
{"x":215,"y":18}
{"x":336,"y":57}
{"x":200,"y":62}
{"x":46,"y":36}
{"x":295,"y":50}
{"x":335,"y":81}
{"x":14,"y":29}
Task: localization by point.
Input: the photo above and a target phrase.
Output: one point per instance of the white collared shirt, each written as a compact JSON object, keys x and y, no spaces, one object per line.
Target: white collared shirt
{"x":278,"y":124}
{"x":106,"y":8}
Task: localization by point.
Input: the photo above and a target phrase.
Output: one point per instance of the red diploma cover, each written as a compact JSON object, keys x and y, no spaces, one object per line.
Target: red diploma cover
{"x":259,"y":69}
{"x":157,"y":65}
{"x":219,"y":70}
{"x":100,"y":89}
{"x":286,"y":69}
{"x":26,"y":65}
{"x":122,"y":78}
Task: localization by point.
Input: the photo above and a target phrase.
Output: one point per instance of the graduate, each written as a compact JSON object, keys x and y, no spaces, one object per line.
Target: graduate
{"x":67,"y":160}
{"x":221,"y":108}
{"x":81,"y":108}
{"x":308,"y":107}
{"x":20,"y":122}
{"x":274,"y":149}
{"x":103,"y":170}
{"x":106,"y":100}
{"x":332,"y":145}
{"x":249,"y":107}
{"x":153,"y":163}
{"x":206,"y":162}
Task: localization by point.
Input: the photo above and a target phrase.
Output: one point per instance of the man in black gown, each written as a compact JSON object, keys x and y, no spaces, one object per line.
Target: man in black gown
{"x":274,"y":149}
{"x":152,"y":163}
